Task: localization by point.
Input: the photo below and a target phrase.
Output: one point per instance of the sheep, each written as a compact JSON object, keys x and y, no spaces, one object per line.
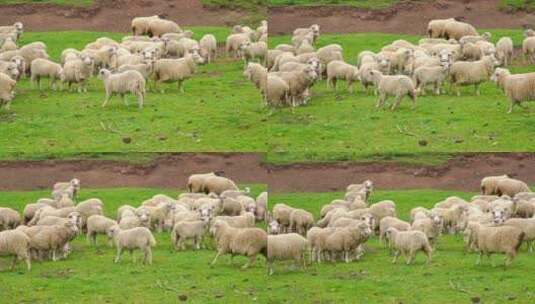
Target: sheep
{"x":208,"y":46}
{"x":346,"y":241}
{"x":436,"y":27}
{"x":471,"y":52}
{"x":16,"y":243}
{"x":489,"y":184}
{"x":78,"y":72}
{"x":121,"y":83}
{"x":284,"y":247}
{"x":89,"y":207}
{"x":298,"y":83}
{"x":399,"y":59}
{"x":234,"y":42}
{"x":140,"y":25}
{"x":257,"y":74}
{"x":408,"y":243}
{"x":239,"y":241}
{"x":388,"y":222}
{"x":431,"y":227}
{"x":181,"y":48}
{"x":9,"y":218}
{"x":17,"y":27}
{"x":145,"y":69}
{"x":246,"y":220}
{"x":308,"y":38}
{"x":282,"y":214}
{"x":10,"y":69}
{"x":489,"y":240}
{"x":136,"y":238}
{"x":471,"y":73}
{"x":524,"y":208}
{"x":98,"y":224}
{"x":7,"y":87}
{"x":218,"y":184}
{"x":329,"y":53}
{"x":314,"y":29}
{"x":426,"y":75}
{"x":487,"y":48}
{"x":8,"y":45}
{"x":518,"y":87}
{"x":510,"y":187}
{"x":253,"y":51}
{"x":159,"y":27}
{"x":45,"y":68}
{"x":398,"y":86}
{"x":231,"y":207}
{"x":277,"y":90}
{"x":73,"y":183}
{"x":178,"y":36}
{"x":316,"y":239}
{"x":54,"y":238}
{"x":528,"y":49}
{"x":301,"y":220}
{"x":340,"y":70}
{"x":456,"y":30}
{"x":176,"y":70}
{"x":527,"y":225}
{"x":182,"y":231}
{"x":261,"y":206}
{"x":305,"y":47}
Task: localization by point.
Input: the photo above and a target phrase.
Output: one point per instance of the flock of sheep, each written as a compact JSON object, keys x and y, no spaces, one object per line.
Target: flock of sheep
{"x":159,"y":51}
{"x":453,"y":52}
{"x":499,"y":220}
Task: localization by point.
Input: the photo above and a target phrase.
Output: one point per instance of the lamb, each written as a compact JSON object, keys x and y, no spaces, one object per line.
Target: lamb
{"x":489,"y":184}
{"x":471,"y":73}
{"x":528,"y":49}
{"x":489,"y":240}
{"x":301,"y":220}
{"x":54,"y":238}
{"x":16,"y":243}
{"x":346,"y":241}
{"x":341,"y":70}
{"x":136,"y":238}
{"x":176,"y":70}
{"x":121,"y":83}
{"x":45,"y":68}
{"x":285,"y":247}
{"x":426,"y":75}
{"x":298,"y":83}
{"x":182,"y":231}
{"x":518,"y":87}
{"x":9,"y":219}
{"x":398,"y":86}
{"x":388,"y":222}
{"x":208,"y":45}
{"x":98,"y":224}
{"x":78,"y":72}
{"x":140,"y":25}
{"x":247,"y":220}
{"x":510,"y":186}
{"x":239,"y":241}
{"x":159,"y":27}
{"x":408,"y":243}
{"x":7,"y":87}
{"x":253,"y":51}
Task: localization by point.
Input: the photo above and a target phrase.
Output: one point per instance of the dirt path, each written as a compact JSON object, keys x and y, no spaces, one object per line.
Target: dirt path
{"x":462,"y":173}
{"x":406,"y":17}
{"x":114,"y":15}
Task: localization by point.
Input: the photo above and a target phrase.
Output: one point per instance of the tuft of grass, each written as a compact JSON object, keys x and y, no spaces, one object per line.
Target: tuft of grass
{"x":528,"y":5}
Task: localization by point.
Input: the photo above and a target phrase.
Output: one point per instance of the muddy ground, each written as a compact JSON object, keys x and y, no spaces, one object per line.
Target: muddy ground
{"x":171,"y":171}
{"x":406,"y":17}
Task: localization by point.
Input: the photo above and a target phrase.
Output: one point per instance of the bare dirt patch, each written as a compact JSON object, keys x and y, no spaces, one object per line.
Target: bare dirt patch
{"x":405,"y":17}
{"x":115,"y":16}
{"x":462,"y":173}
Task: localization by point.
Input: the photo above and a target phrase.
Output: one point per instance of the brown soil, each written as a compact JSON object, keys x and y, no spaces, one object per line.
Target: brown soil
{"x":115,"y":15}
{"x":405,"y":17}
{"x":171,"y":171}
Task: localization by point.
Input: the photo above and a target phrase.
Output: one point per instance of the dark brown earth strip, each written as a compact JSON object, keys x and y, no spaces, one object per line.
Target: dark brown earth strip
{"x":409,"y":17}
{"x":462,"y":173}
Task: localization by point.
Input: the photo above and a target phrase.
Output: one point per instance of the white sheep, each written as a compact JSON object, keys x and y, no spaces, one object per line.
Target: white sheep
{"x":9,"y":218}
{"x":346,"y":241}
{"x":208,"y":45}
{"x":54,"y":238}
{"x":78,"y":72}
{"x":285,"y":247}
{"x":182,"y":231}
{"x":277,"y":89}
{"x":510,"y":186}
{"x":98,"y":224}
{"x":408,"y":243}
{"x":131,"y":239}
{"x":299,"y":82}
{"x":528,"y":49}
{"x":40,"y":68}
{"x":251,"y":51}
{"x":121,"y":83}
{"x":234,"y":42}
{"x":517,"y":87}
{"x":140,"y":25}
{"x":472,"y":73}
{"x":301,"y":220}
{"x":340,"y":70}
{"x":176,"y":70}
{"x":397,"y":86}
{"x":16,"y":243}
{"x":389,"y":222}
{"x":426,"y":75}
{"x":159,"y":27}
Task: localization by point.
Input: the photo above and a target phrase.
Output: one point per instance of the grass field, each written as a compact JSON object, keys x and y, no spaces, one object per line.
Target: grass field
{"x":452,"y":277}
{"x":90,"y":276}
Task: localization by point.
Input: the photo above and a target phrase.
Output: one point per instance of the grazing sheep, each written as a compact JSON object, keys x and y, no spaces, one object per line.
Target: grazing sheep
{"x":408,"y":243}
{"x":16,"y":243}
{"x":54,"y":238}
{"x":89,"y":207}
{"x":518,"y":87}
{"x":182,"y":231}
{"x":261,"y":206}
{"x":257,"y":74}
{"x":471,"y":73}
{"x":290,"y":246}
{"x":45,"y":68}
{"x":436,"y":27}
{"x":489,"y":184}
{"x":316,"y":239}
{"x":131,"y":239}
{"x":426,"y":75}
{"x":277,"y":89}
{"x":471,"y":52}
{"x":176,"y":70}
{"x":397,"y":86}
{"x":233,"y":43}
{"x":140,"y":25}
{"x":388,"y":222}
{"x":524,"y":208}
{"x":510,"y":186}
{"x":246,"y":220}
{"x":239,"y":241}
{"x":431,"y":227}
{"x":9,"y":218}
{"x":121,"y":83}
{"x":457,"y":30}
{"x":98,"y":224}
{"x":301,"y":220}
{"x":78,"y":72}
{"x":218,"y":184}
{"x":195,"y":182}
{"x":208,"y":46}
{"x":159,"y":27}
{"x":489,"y":240}
{"x":504,"y":51}
{"x":282,"y":214}
{"x":298,"y":82}
{"x":340,"y":70}
{"x":346,"y":241}
{"x":7,"y":87}
{"x":528,"y":49}
{"x":251,"y":51}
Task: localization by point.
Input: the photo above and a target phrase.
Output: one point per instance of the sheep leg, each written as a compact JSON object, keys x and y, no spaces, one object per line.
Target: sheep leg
{"x":396,"y":103}
{"x":381,"y":100}
{"x":28,"y":261}
{"x":119,"y":253}
{"x":396,"y":255}
{"x":251,"y":262}
{"x":14,"y":262}
{"x":148,"y":256}
{"x":410,"y":257}
{"x":54,"y":255}
{"x":132,"y":256}
{"x":215,"y":258}
{"x":107,"y":99}
{"x":478,"y":91}
{"x":125,"y":101}
{"x":180,"y":87}
{"x":270,"y":268}
{"x":140,"y":98}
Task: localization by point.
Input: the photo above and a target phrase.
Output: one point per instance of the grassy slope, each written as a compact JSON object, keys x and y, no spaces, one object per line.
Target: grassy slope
{"x":452,"y":277}
{"x":90,"y":276}
{"x":353,"y":128}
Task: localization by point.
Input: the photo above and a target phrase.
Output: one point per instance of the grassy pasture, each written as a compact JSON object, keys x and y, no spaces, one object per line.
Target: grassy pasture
{"x":452,"y":277}
{"x":90,"y":276}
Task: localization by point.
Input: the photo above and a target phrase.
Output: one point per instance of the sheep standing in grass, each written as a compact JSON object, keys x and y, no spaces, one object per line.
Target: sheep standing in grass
{"x":208,"y":47}
{"x":257,"y":74}
{"x":341,"y":70}
{"x":397,"y":86}
{"x":299,"y":82}
{"x":471,"y":73}
{"x":430,"y":75}
{"x":98,"y":224}
{"x":408,"y":243}
{"x":388,"y":222}
{"x":140,"y":25}
{"x":54,"y":238}
{"x":122,"y":83}
{"x":277,"y":89}
{"x":346,"y":241}
{"x":159,"y":27}
{"x":131,"y":239}
{"x":510,"y":186}
{"x":176,"y":70}
{"x":528,"y":49}
{"x":301,"y":220}
{"x":234,"y":42}
{"x":239,"y":241}
{"x":78,"y":71}
{"x":16,"y":243}
{"x":251,"y":51}
{"x":290,"y":246}
{"x":517,"y":87}
{"x":504,"y":51}
{"x":182,"y":231}
{"x":41,"y":68}
{"x":9,"y":219}
{"x":527,"y":225}
{"x":436,"y":27}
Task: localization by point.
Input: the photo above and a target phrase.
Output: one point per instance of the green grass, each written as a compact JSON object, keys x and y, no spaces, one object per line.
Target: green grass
{"x":369,"y":4}
{"x":90,"y":276}
{"x":518,"y":4}
{"x":57,"y":2}
{"x":452,"y":277}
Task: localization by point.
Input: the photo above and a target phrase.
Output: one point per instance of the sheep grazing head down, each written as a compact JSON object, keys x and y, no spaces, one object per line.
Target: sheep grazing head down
{"x":112,"y":231}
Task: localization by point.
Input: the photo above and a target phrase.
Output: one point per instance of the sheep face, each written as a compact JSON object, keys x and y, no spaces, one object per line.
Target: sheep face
{"x":75,"y":183}
{"x":498,"y":215}
{"x":112,"y":231}
{"x":13,"y":72}
{"x":197,"y":58}
{"x":315,"y":29}
{"x":368,"y":219}
{"x":104,"y":73}
{"x":273,"y":227}
{"x":498,"y":74}
{"x":206,"y":213}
